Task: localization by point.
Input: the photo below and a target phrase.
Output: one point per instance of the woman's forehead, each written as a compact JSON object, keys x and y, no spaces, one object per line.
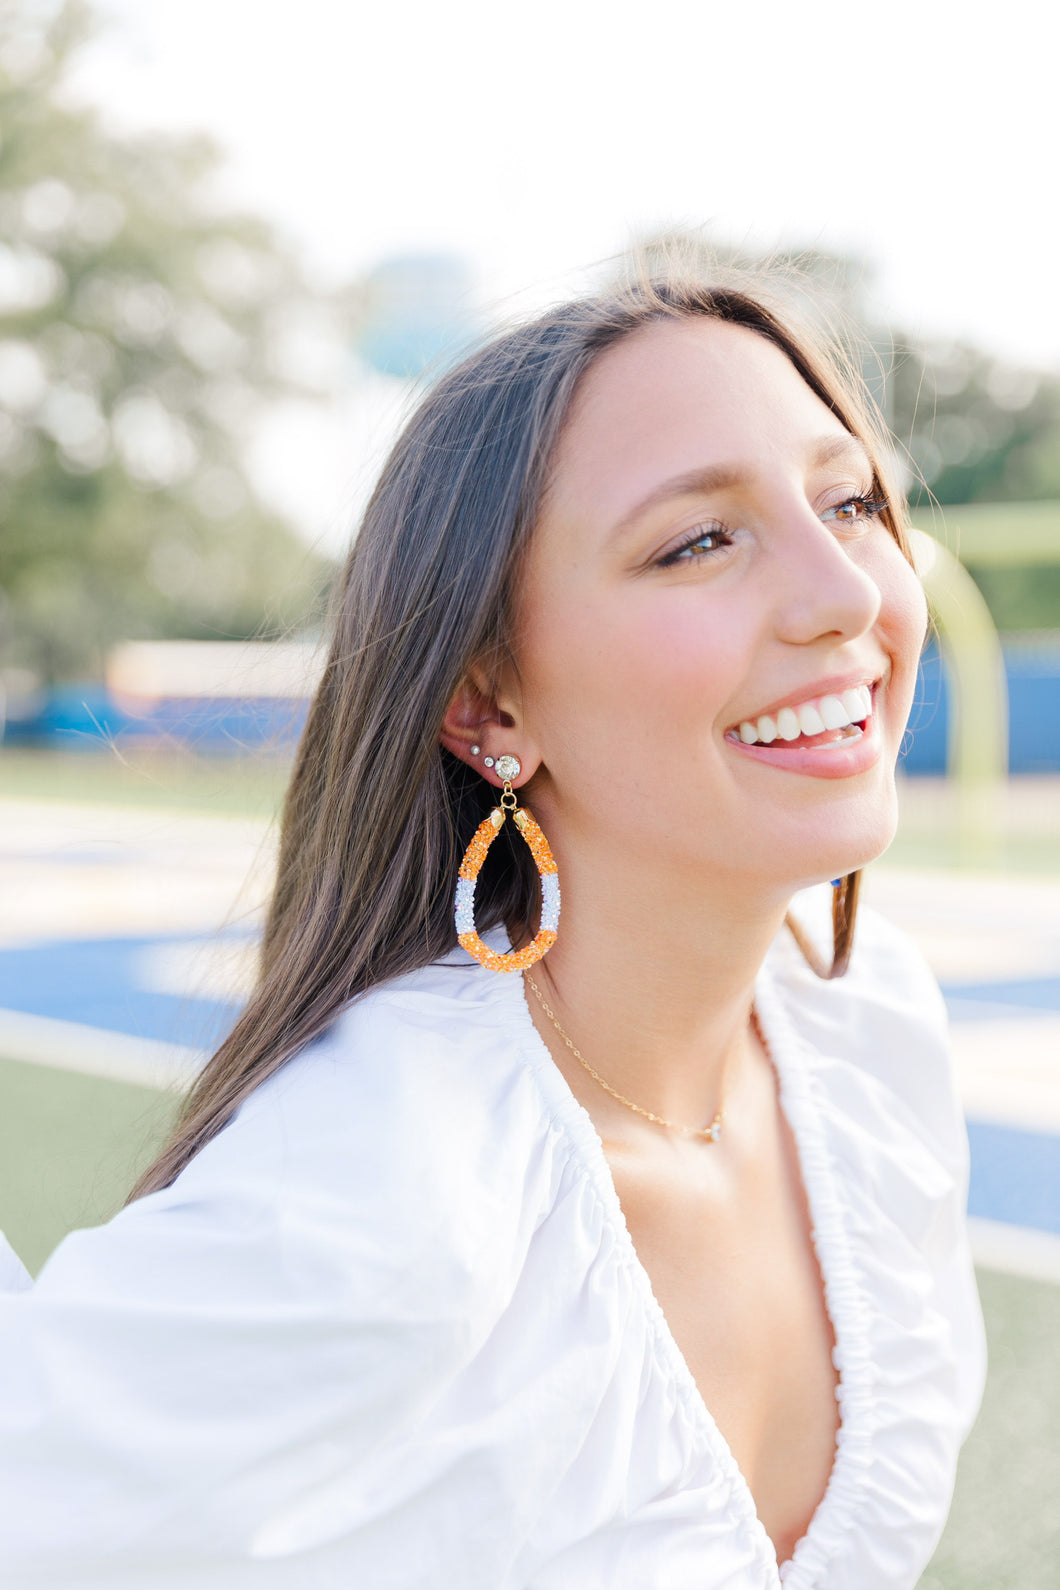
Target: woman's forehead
{"x":677,"y":397}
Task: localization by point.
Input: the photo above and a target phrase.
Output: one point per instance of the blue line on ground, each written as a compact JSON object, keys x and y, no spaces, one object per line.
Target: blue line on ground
{"x":975,"y":1010}
{"x":96,"y":982}
{"x":1031,"y":993}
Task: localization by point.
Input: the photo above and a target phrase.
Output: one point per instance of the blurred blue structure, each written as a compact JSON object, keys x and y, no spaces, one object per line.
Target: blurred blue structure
{"x":218,"y":697}
{"x":1033,"y":672}
{"x":88,"y":717}
{"x":417,"y":316}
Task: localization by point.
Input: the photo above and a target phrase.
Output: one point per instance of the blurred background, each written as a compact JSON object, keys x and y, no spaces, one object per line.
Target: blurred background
{"x":235,"y":242}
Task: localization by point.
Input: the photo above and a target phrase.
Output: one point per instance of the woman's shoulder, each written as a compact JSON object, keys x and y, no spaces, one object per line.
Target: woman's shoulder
{"x":887,"y":973}
{"x":410,"y":1126}
{"x":885,"y":1018}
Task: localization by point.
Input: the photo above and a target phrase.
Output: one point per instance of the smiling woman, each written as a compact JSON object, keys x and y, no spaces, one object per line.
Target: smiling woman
{"x":614,"y":1245}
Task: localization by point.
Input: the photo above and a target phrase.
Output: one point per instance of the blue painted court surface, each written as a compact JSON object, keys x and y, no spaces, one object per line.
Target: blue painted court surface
{"x":100,"y":983}
{"x":106,"y":984}
{"x":1015,"y":1176}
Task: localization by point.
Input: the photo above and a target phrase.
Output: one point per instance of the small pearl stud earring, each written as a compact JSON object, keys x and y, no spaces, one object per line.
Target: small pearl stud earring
{"x":475,"y":749}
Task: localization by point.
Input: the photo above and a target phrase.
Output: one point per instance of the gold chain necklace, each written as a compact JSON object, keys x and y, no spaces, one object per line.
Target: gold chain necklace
{"x":709,"y":1133}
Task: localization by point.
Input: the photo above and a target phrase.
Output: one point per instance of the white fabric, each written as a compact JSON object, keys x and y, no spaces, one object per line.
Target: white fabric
{"x":14,"y":1277}
{"x":389,"y":1330}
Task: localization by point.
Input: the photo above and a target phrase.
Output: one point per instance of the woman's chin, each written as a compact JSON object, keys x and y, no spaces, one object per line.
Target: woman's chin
{"x":846,"y":848}
{"x":855,"y":857}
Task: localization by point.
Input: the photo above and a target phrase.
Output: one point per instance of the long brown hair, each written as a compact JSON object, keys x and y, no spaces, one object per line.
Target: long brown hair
{"x":378,"y":814}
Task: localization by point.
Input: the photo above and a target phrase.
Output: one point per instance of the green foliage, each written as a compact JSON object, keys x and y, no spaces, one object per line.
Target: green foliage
{"x":1021,"y":598}
{"x":139,"y":336}
{"x":978,"y":429}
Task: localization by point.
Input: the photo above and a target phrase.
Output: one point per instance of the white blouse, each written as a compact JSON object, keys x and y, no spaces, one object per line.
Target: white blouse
{"x":389,"y":1330}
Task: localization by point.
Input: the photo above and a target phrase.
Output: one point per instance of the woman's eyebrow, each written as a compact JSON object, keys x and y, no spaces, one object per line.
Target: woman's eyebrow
{"x":719,"y":477}
{"x":693,"y":483}
{"x":840,"y":449}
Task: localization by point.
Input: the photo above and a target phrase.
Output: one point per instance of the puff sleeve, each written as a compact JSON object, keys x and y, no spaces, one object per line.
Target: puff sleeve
{"x":233,"y":1381}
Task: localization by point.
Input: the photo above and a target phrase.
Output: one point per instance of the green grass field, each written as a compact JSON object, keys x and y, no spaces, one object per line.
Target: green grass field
{"x":238,"y":786}
{"x":1004,"y":1528}
{"x":72,"y":1145}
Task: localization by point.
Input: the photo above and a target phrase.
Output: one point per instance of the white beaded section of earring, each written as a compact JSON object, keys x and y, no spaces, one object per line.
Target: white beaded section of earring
{"x":550,"y":901}
{"x":465,"y":905}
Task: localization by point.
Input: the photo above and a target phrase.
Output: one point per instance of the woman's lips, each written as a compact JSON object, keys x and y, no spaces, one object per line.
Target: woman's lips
{"x":834,"y":753}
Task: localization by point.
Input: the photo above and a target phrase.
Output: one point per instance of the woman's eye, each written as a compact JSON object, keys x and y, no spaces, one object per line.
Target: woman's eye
{"x":855,"y":508}
{"x":708,"y":539}
{"x":705,"y":540}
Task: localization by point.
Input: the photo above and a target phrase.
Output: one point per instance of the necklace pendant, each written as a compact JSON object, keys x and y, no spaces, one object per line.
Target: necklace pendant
{"x":712,"y":1132}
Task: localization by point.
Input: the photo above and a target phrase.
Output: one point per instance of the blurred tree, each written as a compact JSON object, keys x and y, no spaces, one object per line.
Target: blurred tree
{"x":979,"y":429}
{"x":140,"y":332}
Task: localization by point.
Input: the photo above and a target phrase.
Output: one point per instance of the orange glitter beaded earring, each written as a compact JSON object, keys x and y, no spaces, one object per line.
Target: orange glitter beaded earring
{"x":508,"y":767}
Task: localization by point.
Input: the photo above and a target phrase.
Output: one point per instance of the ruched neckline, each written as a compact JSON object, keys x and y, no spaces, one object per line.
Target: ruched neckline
{"x":845,"y":1302}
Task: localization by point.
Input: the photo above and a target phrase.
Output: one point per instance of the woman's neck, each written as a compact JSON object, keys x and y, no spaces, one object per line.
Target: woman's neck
{"x":653,"y":980}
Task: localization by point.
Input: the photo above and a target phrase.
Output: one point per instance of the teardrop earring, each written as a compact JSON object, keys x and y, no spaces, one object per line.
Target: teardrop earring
{"x":508,"y":767}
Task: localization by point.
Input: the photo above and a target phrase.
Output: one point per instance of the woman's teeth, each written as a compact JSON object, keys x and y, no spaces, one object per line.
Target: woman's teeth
{"x":819,"y":716}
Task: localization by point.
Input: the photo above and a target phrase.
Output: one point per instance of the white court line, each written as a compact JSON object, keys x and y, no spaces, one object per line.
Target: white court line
{"x":71,"y":1046}
{"x":1008,"y":1071}
{"x":1015,"y":1250}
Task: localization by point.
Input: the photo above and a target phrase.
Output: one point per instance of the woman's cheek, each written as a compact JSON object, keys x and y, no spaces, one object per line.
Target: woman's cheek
{"x":903,"y":607}
{"x":903,"y":626}
{"x":911,"y":613}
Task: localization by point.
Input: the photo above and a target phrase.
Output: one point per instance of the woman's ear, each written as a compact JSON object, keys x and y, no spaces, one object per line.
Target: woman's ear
{"x":481,"y":723}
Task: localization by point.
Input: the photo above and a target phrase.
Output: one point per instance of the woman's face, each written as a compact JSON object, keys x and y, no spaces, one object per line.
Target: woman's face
{"x":709,"y":579}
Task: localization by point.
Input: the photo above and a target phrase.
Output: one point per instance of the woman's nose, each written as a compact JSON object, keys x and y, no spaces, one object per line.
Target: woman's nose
{"x":822,"y":588}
